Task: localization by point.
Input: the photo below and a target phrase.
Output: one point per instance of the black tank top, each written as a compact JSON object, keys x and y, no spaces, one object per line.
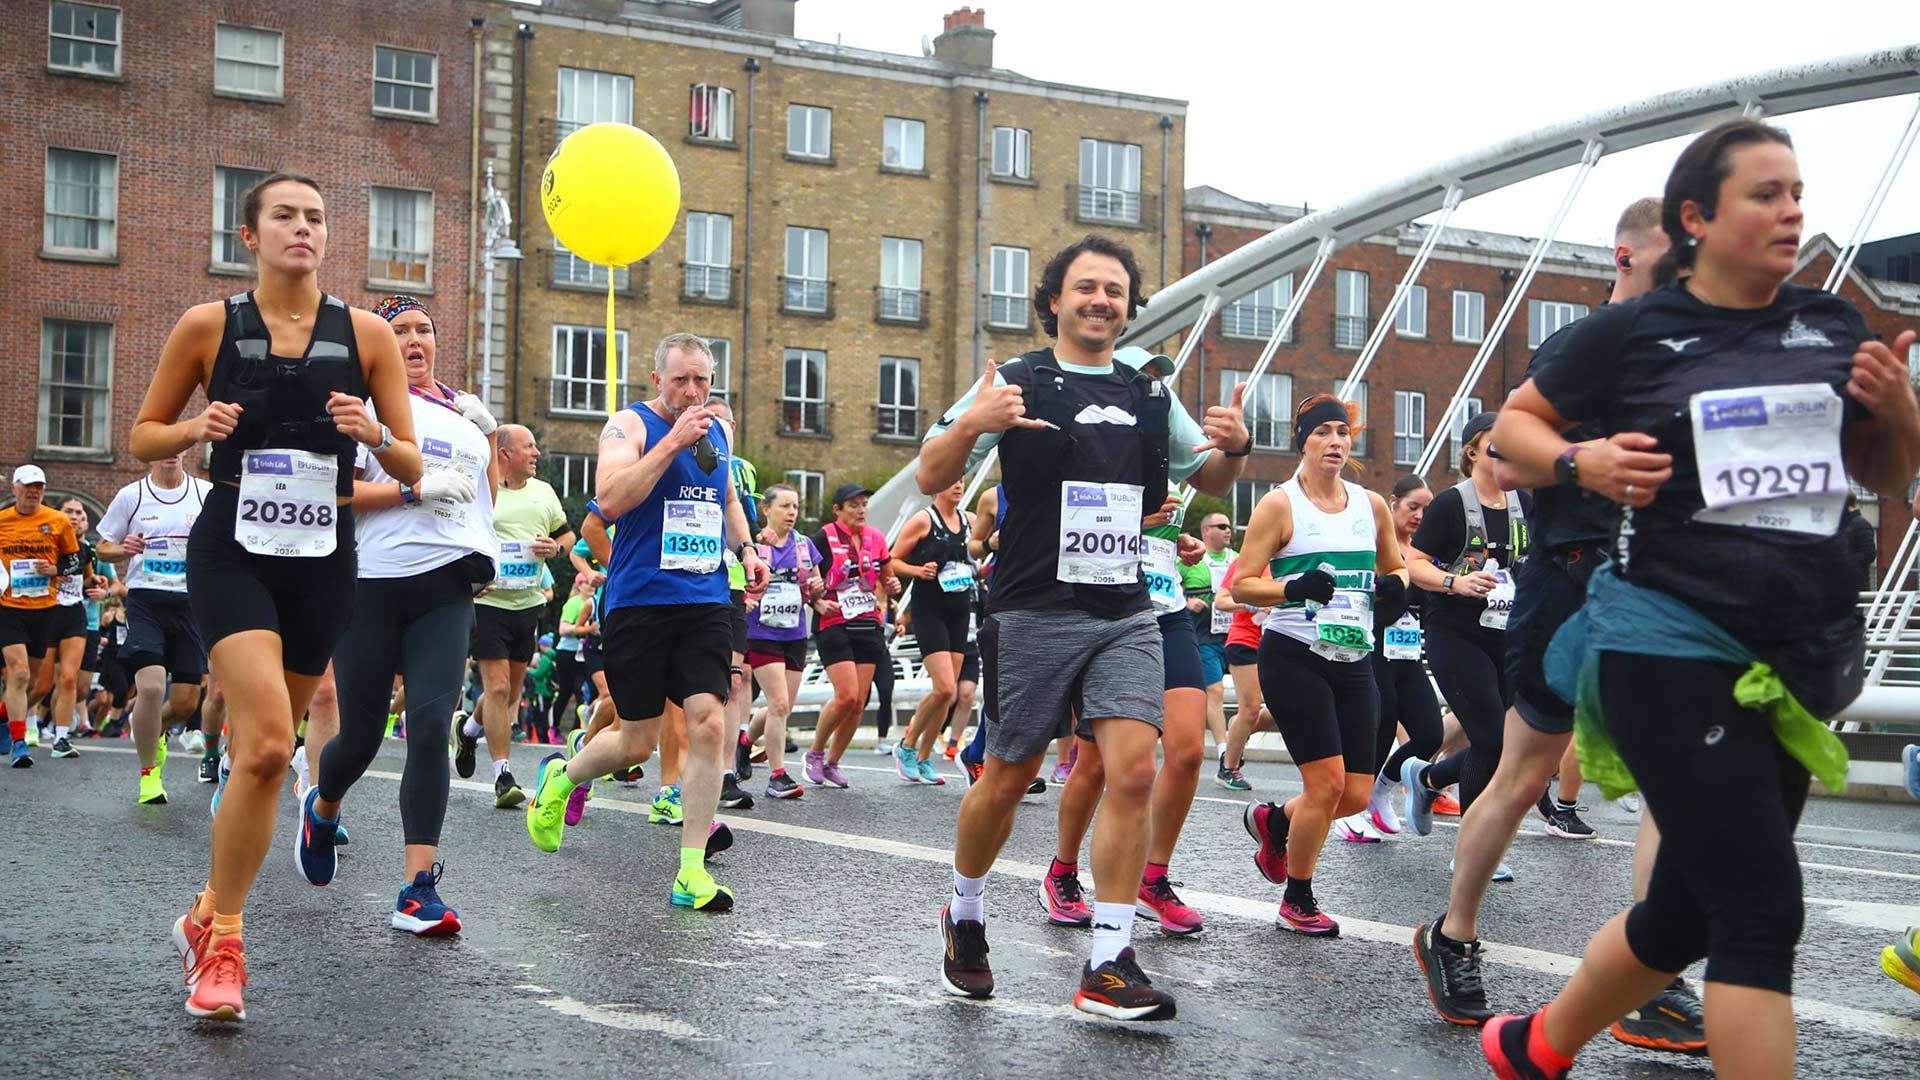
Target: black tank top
{"x":284,"y":401}
{"x":941,"y":545}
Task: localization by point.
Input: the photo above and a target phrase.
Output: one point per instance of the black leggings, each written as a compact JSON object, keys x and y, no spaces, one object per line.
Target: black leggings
{"x":1731,"y":895}
{"x":1470,"y":667}
{"x":1324,"y":708}
{"x":1406,"y":700}
{"x":882,"y":689}
{"x":568,"y":673}
{"x":416,"y":627}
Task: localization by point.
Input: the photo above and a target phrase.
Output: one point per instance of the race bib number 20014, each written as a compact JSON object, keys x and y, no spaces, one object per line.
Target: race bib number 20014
{"x":1100,"y":541}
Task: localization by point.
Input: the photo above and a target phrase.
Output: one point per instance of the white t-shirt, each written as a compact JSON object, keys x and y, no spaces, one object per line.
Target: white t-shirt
{"x":412,"y":539}
{"x":163,"y":518}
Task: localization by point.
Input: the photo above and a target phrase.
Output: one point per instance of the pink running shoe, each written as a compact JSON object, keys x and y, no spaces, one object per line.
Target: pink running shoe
{"x":1271,"y":859}
{"x":1356,"y":829}
{"x":1308,"y":920}
{"x":830,"y":775}
{"x":1062,"y":900}
{"x":815,"y":768}
{"x":577,"y":803}
{"x":1158,"y":901}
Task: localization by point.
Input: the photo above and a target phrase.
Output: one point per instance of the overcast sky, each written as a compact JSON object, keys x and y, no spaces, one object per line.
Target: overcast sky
{"x":1316,"y":103}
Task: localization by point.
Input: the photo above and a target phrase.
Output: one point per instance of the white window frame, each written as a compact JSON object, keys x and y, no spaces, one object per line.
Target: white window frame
{"x":906,"y":140}
{"x":812,"y":487}
{"x":807,"y":298}
{"x":1269,"y":407}
{"x":897,"y":419}
{"x":90,"y":43}
{"x":99,"y":394}
{"x":278,"y":65}
{"x":568,"y":466}
{"x":1469,"y":408}
{"x":709,"y":272}
{"x":1410,"y":318}
{"x":722,"y":385}
{"x":710,"y":112}
{"x":1544,"y":317}
{"x":1008,"y":306}
{"x":1469,"y":316}
{"x":107,"y":219}
{"x":1913,"y":362}
{"x":431,"y":86}
{"x":579,"y":388}
{"x":1246,"y":495}
{"x":900,"y":297}
{"x":1409,"y":426}
{"x":1109,"y":181}
{"x":1349,"y":304}
{"x":1011,"y":154}
{"x":423,"y":235}
{"x":801,"y":399}
{"x":585,"y":96}
{"x":816,"y":132}
{"x":1361,"y":397}
{"x":227,"y":217}
{"x":1255,"y":315}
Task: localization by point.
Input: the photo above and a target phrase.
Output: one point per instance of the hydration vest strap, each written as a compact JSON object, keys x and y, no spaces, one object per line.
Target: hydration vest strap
{"x":1517,"y":534}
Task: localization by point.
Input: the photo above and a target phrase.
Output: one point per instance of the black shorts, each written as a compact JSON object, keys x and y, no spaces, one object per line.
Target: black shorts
{"x":666,"y":652}
{"x":1545,"y":596}
{"x":161,"y":632}
{"x":940,"y":627}
{"x":499,"y":634}
{"x":857,"y":642}
{"x":32,"y":627}
{"x":1242,"y":655}
{"x":115,"y":680}
{"x":739,"y":623}
{"x":592,"y":659}
{"x":762,"y":652}
{"x":1180,"y":653}
{"x":1331,"y":709}
{"x":90,"y":660}
{"x":308,"y":602}
{"x":970,"y":667}
{"x":69,"y":621}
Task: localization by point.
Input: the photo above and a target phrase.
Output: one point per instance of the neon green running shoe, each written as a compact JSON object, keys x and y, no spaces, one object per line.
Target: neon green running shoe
{"x":575,"y":740}
{"x":160,"y":755}
{"x":666,"y":807}
{"x":546,"y":811}
{"x":696,"y":889}
{"x":152,"y":791}
{"x":1900,"y":960}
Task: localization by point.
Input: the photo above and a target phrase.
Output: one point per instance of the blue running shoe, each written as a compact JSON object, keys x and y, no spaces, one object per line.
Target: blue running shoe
{"x":1911,"y":755}
{"x":906,"y":762}
{"x":421,"y":912}
{"x":340,"y":837}
{"x":22,"y":754}
{"x":220,"y":788}
{"x":1419,"y":796}
{"x":313,"y":842}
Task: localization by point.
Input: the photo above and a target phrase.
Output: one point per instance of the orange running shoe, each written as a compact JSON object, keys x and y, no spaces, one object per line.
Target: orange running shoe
{"x":1446,"y":805}
{"x":214,"y":987}
{"x":189,"y":938}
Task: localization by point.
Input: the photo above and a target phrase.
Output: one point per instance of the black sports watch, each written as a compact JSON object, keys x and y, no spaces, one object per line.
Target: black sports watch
{"x":1565,"y":469}
{"x":1243,"y":451}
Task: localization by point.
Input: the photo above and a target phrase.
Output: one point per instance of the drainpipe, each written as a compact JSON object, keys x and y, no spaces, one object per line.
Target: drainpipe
{"x":741,"y":415}
{"x":1166,"y":164}
{"x":1204,"y":232}
{"x":473,"y":190}
{"x":979,"y":229}
{"x":1506,"y":281}
{"x":525,"y":36}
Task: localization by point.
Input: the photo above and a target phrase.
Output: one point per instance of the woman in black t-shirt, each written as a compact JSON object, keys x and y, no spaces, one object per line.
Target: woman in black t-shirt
{"x":1736,"y":406}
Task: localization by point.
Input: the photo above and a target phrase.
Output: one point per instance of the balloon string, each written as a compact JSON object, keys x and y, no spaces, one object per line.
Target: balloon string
{"x":613,"y":355}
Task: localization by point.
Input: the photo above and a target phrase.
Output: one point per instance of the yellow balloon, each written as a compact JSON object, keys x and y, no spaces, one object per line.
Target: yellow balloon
{"x":610,"y":193}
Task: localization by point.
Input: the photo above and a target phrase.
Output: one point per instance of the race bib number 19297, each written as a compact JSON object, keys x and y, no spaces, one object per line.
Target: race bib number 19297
{"x":1769,"y":457}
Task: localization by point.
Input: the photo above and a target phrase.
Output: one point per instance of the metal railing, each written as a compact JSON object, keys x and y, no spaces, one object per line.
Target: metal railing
{"x":701,"y":283}
{"x":1349,"y":331}
{"x":897,"y":305}
{"x":1092,"y":205}
{"x":1238,"y":320}
{"x":806,"y":296}
{"x":1009,"y":313}
{"x":569,"y":271}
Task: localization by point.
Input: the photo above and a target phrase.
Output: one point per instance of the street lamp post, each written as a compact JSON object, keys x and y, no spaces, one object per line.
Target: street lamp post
{"x":495,"y":244}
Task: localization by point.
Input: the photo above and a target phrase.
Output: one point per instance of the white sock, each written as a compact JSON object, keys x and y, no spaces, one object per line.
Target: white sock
{"x":59,"y":732}
{"x":499,"y":766}
{"x":472,"y":729}
{"x":1112,"y":930}
{"x":969,"y":898}
{"x":300,"y":763}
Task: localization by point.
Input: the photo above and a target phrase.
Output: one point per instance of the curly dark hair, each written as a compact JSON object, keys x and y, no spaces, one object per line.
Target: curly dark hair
{"x":1053,"y":279}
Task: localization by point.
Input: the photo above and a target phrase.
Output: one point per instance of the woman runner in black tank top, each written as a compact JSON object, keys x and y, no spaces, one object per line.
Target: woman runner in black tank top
{"x":271,"y":559}
{"x":931,"y":551}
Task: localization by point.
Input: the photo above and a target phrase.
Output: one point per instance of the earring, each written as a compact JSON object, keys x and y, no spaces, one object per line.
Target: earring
{"x":1693,"y":241}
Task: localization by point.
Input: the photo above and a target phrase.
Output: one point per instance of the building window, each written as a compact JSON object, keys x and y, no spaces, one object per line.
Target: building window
{"x":809,"y":131}
{"x":1411,"y":319}
{"x":229,"y":198}
{"x":722,"y":385}
{"x":803,"y":393}
{"x":1913,"y":362}
{"x":1012,"y":153}
{"x":899,"y":413}
{"x":806,"y":270}
{"x":1109,"y":182}
{"x":76,"y":371}
{"x":900,"y":280}
{"x":1469,"y":317}
{"x":1350,"y":308}
{"x":405,"y":82}
{"x":83,"y":38}
{"x":1247,"y":494}
{"x":1268,"y":405}
{"x":1007,"y":288}
{"x":580,"y":369}
{"x":709,"y":274}
{"x":83,"y":197}
{"x":247,"y":60}
{"x":1545,"y":317}
{"x":710,"y":112}
{"x":589,"y":97}
{"x":570,"y":269}
{"x":1469,"y":408}
{"x":1359,"y":398}
{"x":903,"y":144}
{"x":400,"y":237}
{"x":1409,"y":426}
{"x":573,"y":474}
{"x":812,"y":487}
{"x":1256,"y":314}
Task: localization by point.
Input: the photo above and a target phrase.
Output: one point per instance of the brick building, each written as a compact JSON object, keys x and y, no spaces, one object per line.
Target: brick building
{"x":134,"y":128}
{"x":836,"y":241}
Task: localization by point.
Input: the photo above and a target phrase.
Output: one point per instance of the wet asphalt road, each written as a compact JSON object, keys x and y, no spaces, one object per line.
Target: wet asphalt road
{"x":575,"y":964}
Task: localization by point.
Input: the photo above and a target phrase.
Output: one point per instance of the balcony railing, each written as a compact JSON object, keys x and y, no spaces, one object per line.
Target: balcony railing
{"x":1009,"y":313}
{"x":701,"y":283}
{"x":1349,"y":331}
{"x":896,"y":421}
{"x":1092,"y":205}
{"x":565,"y":270}
{"x":806,"y":296}
{"x":798,"y":417}
{"x":1255,"y":321}
{"x":905,"y":306}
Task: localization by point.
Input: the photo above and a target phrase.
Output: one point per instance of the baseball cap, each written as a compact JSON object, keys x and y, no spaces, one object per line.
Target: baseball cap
{"x":1481,"y":421}
{"x":1139,"y":359}
{"x":847,"y":492}
{"x":29,"y":474}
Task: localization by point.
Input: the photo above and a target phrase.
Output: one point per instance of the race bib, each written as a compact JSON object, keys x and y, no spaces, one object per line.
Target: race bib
{"x":1499,"y":602}
{"x":517,"y":568}
{"x":71,"y":589}
{"x":780,"y":606}
{"x":1769,"y":457}
{"x":690,"y":536}
{"x":439,"y":455}
{"x":1222,"y":620}
{"x":1100,"y":541}
{"x":1343,"y":626}
{"x":286,"y":503}
{"x":120,"y":633}
{"x":1163,"y":575}
{"x":1402,"y":640}
{"x":28,"y":581}
{"x":956,"y":577}
{"x":854,"y":601}
{"x":163,"y":564}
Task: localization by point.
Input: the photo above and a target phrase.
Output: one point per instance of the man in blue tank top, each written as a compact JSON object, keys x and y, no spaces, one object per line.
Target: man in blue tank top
{"x":665,"y":483}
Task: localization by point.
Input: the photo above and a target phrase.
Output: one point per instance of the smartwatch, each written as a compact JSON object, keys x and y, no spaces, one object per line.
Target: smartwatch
{"x":1243,"y":451}
{"x":1566,"y":471}
{"x":386,"y":441}
{"x":408,"y":496}
{"x":1447,"y":585}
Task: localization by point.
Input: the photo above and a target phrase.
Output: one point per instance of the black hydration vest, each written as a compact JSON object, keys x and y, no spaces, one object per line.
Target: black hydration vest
{"x":941,"y":545}
{"x":283,"y":401}
{"x":1085,"y":441}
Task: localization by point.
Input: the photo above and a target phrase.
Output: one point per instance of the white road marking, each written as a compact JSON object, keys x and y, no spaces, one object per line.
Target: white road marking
{"x":1864,"y":913}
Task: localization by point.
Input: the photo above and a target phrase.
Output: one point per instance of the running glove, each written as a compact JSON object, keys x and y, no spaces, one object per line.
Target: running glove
{"x":1389,"y":598}
{"x":476,"y":413}
{"x":448,"y":484}
{"x":1314,"y":585}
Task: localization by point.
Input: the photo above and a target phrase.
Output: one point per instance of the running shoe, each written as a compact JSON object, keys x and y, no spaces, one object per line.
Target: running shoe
{"x":465,"y":746}
{"x":421,"y":912}
{"x":1119,"y":990}
{"x":631,"y":775}
{"x":815,"y":771}
{"x":792,"y":747}
{"x":546,"y":811}
{"x":506,"y":793}
{"x":1357,"y":829}
{"x":696,"y":889}
{"x":1037,"y":787}
{"x":1673,"y":1021}
{"x":152,"y":791}
{"x":1502,"y":873}
{"x":64,"y":749}
{"x":1306,"y":919}
{"x":964,"y":972}
{"x":577,"y":803}
{"x":1064,"y":901}
{"x":23,"y":755}
{"x":759,"y":755}
{"x":930,"y":775}
{"x":1901,"y":960}
{"x":666,"y":807}
{"x":209,"y":770}
{"x":1446,"y":805}
{"x":1061,"y":771}
{"x":340,"y":838}
{"x":1231,"y":779}
{"x":905,"y":763}
{"x":743,"y":758}
{"x":719,"y":838}
{"x":831,"y":775}
{"x":313,"y":843}
{"x":222,"y":770}
{"x":1630,"y":802}
{"x":215,"y":986}
{"x":953,"y":751}
{"x":1267,"y":825}
{"x":1453,"y":977}
{"x":1911,"y":757}
{"x":576,"y":739}
{"x":1564,"y":823}
{"x":193,"y":742}
{"x":781,"y":786}
{"x":971,"y":771}
{"x":1420,"y":798}
{"x":1157,"y":901}
{"x":189,"y":938}
{"x":1381,"y":812}
{"x":1507,"y":1042}
{"x":731,"y":795}
{"x":882,"y":746}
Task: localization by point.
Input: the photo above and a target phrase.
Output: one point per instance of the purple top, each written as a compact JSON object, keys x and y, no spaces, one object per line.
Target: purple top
{"x":791,"y":566}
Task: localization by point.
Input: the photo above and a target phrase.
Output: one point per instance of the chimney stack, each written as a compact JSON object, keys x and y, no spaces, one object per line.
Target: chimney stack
{"x":965,"y":39}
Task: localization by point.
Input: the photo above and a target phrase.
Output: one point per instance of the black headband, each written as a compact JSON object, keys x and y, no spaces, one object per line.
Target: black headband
{"x":1324,"y":413}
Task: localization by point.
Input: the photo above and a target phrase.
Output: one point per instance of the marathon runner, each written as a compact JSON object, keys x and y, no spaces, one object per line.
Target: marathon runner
{"x":58,"y":684}
{"x":1406,"y":694}
{"x":1199,"y":581}
{"x":95,"y":593}
{"x":932,"y":550}
{"x":1242,"y":654}
{"x":745,"y":484}
{"x":847,"y":629}
{"x":38,"y":545}
{"x":777,"y":628}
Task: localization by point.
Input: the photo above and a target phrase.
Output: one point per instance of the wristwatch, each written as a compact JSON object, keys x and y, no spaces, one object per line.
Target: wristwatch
{"x":407,"y":495}
{"x":1565,"y":469}
{"x":1243,"y":451}
{"x":386,"y":441}
{"x":1447,"y":585}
